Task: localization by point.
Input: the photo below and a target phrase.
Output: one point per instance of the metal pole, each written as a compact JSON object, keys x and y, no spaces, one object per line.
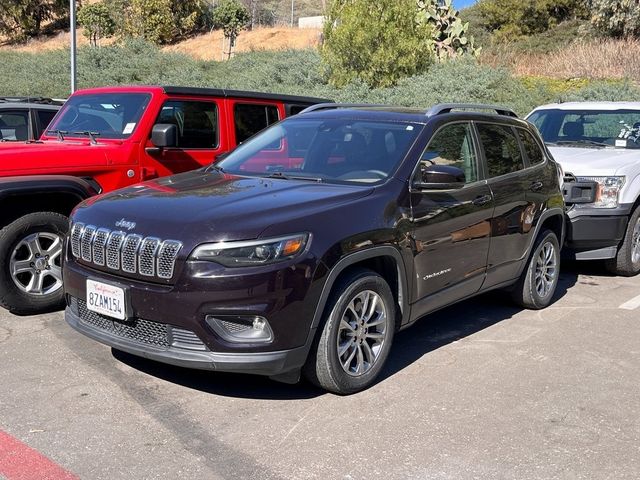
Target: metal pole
{"x":292,"y":13}
{"x":72,"y":31}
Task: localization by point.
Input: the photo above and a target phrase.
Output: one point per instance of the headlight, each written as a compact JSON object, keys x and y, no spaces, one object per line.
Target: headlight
{"x":606,"y":193}
{"x":252,"y":252}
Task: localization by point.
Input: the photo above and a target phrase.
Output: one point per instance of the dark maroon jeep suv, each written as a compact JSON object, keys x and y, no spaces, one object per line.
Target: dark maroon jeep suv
{"x":311,"y":244}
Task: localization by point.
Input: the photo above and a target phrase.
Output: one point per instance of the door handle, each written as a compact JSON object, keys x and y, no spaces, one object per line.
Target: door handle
{"x":482,"y":200}
{"x":536,"y":186}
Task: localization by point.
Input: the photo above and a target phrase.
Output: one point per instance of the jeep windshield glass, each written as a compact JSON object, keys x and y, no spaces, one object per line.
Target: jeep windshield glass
{"x":108,"y":115}
{"x":327,"y":150}
{"x":589,"y":128}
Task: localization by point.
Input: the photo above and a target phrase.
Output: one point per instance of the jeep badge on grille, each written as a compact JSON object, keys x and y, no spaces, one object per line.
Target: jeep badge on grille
{"x":122,"y":223}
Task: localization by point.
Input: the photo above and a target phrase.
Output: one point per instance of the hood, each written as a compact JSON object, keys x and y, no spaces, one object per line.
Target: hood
{"x":212,"y":205}
{"x":595,"y":161}
{"x":49,"y":154}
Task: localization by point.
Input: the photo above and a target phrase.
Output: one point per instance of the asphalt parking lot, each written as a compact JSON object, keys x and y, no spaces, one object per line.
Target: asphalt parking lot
{"x":479,"y":390}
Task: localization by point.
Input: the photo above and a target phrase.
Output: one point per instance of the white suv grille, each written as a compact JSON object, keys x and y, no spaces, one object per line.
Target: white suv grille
{"x":130,"y":253}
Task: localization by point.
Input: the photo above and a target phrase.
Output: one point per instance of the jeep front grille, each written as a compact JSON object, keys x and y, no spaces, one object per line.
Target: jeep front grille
{"x":130,"y":253}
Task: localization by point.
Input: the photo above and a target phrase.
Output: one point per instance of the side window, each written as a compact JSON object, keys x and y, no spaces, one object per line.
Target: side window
{"x":501,"y":149}
{"x":197,"y":122}
{"x":531,"y":147}
{"x":452,"y":145}
{"x":251,"y":118}
{"x":14,"y":125}
{"x":45,"y":117}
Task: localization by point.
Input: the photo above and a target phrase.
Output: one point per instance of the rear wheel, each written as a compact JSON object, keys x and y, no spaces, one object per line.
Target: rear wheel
{"x":539,"y":280}
{"x":31,"y":263}
{"x":627,"y":260}
{"x":356,"y":335}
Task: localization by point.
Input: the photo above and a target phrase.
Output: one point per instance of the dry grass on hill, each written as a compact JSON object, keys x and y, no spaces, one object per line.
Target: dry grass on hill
{"x":603,"y":59}
{"x":209,"y":45}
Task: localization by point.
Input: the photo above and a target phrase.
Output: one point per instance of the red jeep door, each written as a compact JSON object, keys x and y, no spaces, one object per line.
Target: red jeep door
{"x":201,"y":137}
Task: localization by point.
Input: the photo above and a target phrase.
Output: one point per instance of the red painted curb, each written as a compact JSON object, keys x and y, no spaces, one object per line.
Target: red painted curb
{"x":18,"y":461}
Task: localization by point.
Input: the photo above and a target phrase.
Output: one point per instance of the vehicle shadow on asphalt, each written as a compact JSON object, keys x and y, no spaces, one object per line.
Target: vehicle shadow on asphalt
{"x":427,"y":335}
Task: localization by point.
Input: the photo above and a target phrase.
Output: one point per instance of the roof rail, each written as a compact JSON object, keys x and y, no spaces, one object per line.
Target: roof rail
{"x":39,"y":100}
{"x":448,"y":107}
{"x":328,"y":106}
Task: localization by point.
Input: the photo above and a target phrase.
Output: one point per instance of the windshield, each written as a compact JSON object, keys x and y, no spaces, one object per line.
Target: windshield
{"x":332,"y":150}
{"x":596,"y":128}
{"x":107,"y":115}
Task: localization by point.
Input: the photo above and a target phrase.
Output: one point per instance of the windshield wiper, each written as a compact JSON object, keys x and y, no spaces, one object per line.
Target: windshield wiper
{"x":59,"y":133}
{"x":581,"y":142}
{"x":284,"y":176}
{"x":214,"y":167}
{"x":92,"y":136}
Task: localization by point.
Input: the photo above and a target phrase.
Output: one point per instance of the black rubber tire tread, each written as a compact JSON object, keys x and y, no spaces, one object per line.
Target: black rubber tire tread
{"x":523,"y":292}
{"x":322,"y":367}
{"x":11,"y":298}
{"x":622,"y":264}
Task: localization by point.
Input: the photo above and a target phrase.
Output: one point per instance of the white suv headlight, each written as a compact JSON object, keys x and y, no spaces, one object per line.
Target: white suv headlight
{"x":607,"y":192}
{"x":252,"y":252}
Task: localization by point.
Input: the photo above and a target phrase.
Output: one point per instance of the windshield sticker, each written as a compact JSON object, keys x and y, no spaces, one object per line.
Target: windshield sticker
{"x":128,"y":128}
{"x":409,"y":128}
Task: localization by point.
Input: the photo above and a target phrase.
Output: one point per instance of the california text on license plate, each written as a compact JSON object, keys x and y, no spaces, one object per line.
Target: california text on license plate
{"x":106,"y":299}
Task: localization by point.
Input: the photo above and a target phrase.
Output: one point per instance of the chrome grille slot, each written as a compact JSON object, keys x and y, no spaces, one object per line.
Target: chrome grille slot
{"x":99,"y":243}
{"x":87,"y":240}
{"x":76,"y":236}
{"x":114,"y":244}
{"x":130,"y":253}
{"x":147,"y":256}
{"x":167,"y":258}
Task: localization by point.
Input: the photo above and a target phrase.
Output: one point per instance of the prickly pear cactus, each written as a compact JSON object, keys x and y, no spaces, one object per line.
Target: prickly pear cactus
{"x":449,"y":34}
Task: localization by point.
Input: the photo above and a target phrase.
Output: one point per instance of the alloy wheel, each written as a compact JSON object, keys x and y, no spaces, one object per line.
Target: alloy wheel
{"x":35,"y":263}
{"x":546,"y":269}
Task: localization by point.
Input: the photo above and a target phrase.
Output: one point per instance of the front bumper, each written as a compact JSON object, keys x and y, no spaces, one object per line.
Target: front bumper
{"x":594,"y":234}
{"x":259,"y":363}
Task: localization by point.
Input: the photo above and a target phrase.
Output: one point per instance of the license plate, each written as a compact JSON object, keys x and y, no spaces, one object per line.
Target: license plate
{"x":106,"y":299}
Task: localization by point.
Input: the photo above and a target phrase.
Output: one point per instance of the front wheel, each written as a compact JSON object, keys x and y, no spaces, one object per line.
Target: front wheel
{"x":539,"y":280}
{"x":356,"y":335}
{"x":31,"y":263}
{"x":627,"y":260}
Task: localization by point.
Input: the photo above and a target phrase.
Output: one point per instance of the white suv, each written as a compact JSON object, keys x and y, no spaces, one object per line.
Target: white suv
{"x":598,"y":146}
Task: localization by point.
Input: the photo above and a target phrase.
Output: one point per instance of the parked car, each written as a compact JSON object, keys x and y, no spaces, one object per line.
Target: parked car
{"x":311,"y":244}
{"x":23,"y":119}
{"x":103,"y":139}
{"x":597,"y":145}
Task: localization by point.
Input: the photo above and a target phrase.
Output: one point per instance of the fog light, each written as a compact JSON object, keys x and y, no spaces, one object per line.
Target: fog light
{"x":241,"y":329}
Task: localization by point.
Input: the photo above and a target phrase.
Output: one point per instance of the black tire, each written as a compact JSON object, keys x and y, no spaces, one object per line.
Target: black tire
{"x":324,"y":367}
{"x":623,"y":264}
{"x":527,"y":292}
{"x":46,"y":226}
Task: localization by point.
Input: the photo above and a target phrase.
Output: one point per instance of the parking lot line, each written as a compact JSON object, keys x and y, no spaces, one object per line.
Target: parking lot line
{"x":21,"y":462}
{"x":631,"y":304}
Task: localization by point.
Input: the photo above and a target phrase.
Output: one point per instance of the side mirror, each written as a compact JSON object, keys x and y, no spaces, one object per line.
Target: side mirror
{"x":164,"y":135}
{"x":442,"y":177}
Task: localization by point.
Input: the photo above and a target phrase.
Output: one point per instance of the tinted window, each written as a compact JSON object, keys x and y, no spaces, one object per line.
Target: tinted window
{"x":197,"y":122}
{"x":106,"y":115}
{"x":250,"y":119}
{"x":501,"y":149}
{"x":45,"y":117}
{"x":14,"y":125}
{"x":325,"y":150}
{"x":531,"y":147}
{"x":296,"y":109}
{"x":452,"y":145}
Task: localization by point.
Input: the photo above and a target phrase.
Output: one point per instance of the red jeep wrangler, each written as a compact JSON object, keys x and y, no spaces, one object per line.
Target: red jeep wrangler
{"x":103,"y":139}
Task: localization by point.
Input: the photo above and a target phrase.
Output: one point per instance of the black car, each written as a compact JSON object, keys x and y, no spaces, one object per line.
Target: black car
{"x":311,"y":244}
{"x":25,"y":118}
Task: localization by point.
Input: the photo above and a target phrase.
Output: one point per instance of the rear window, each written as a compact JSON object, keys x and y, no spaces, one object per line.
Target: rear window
{"x":252,"y":118}
{"x":501,"y":149}
{"x":531,"y":147}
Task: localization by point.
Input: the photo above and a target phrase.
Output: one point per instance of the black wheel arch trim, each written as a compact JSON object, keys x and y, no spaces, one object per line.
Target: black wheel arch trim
{"x":549,"y":213}
{"x":12,"y":186}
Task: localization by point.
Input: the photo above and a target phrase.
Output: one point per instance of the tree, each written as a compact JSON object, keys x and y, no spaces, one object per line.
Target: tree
{"x":97,"y":22}
{"x":616,"y":18}
{"x":24,"y":18}
{"x":232,"y":17}
{"x":377,"y":43}
{"x":164,"y":21}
